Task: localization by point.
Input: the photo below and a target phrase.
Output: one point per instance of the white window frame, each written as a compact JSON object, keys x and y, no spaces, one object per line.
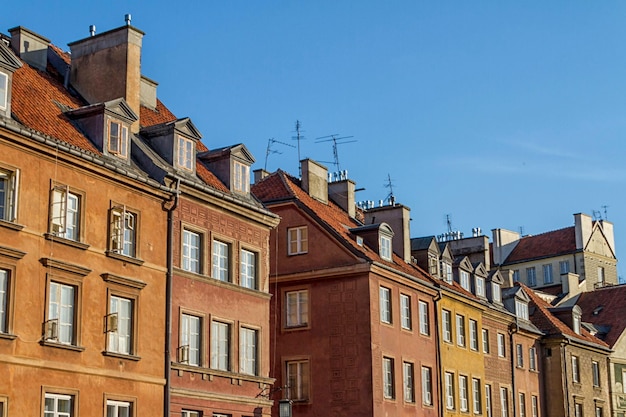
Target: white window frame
{"x":516,"y":275}
{"x":388,"y":378}
{"x":485,"y":337}
{"x":117,"y":144}
{"x":408,"y":379}
{"x":297,"y":375}
{"x":296,"y":308}
{"x":241,"y":180}
{"x":476,"y":396}
{"x":297,"y":240}
{"x":532,"y":359}
{"x":221,"y":261}
{"x":406,"y":319}
{"x":9,"y":185}
{"x":221,"y":337}
{"x":248,"y":351}
{"x":595,"y":372}
{"x":464,"y":280}
{"x":56,"y":400}
{"x":248,"y":269}
{"x":120,"y":333}
{"x":117,"y":406}
{"x":449,"y":390}
{"x":64,"y":213}
{"x":504,"y":402}
{"x":61,"y":317}
{"x":501,"y":346}
{"x":519,"y":355}
{"x":448,"y":274}
{"x":5,"y":288}
{"x":186,"y":154}
{"x":531,"y":276}
{"x":385,"y":248}
{"x":446,"y":325}
{"x":424,"y":318}
{"x":123,"y":239}
{"x":190,"y":339}
{"x":4,"y":92}
{"x":480,"y":286}
{"x":385,"y":305}
{"x":534,"y":403}
{"x":497,"y":292}
{"x":564,"y":267}
{"x":488,"y":401}
{"x":463,"y":394}
{"x":460,"y":330}
{"x":548,"y":278}
{"x":522,"y":404}
{"x":575,"y":369}
{"x":601,"y":275}
{"x":191,"y":259}
{"x":521,"y":309}
{"x":190,"y":413}
{"x":473,"y":328}
{"x":427,"y":385}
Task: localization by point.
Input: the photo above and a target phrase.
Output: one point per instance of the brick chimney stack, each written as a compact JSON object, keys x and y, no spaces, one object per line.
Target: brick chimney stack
{"x":107,"y":66}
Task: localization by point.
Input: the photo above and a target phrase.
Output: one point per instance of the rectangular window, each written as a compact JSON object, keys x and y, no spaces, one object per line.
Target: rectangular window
{"x":497,"y":292}
{"x":485,"y":341}
{"x":427,"y":386}
{"x":220,"y":346}
{"x":123,"y":231}
{"x":118,"y":139}
{"x":9,"y":181}
{"x":388,"y":387}
{"x":532,"y":359}
{"x":185,"y":153}
{"x":547,"y":274}
{"x":516,"y":275}
{"x":504,"y":402}
{"x":600,"y":275}
{"x":190,"y":337}
{"x":449,"y":380}
{"x":595,"y":371}
{"x":531,"y":276}
{"x":190,"y":413}
{"x":519,"y":350}
{"x":119,"y":409}
{"x":480,"y":286}
{"x":56,"y":405}
{"x":4,"y":87}
{"x":247,"y":273}
{"x":578,"y":410}
{"x":476,"y":396}
{"x":385,"y":305}
{"x":298,"y":239}
{"x":120,"y":325}
{"x":446,"y":326}
{"x":192,"y":251}
{"x":521,"y":309}
{"x":522,"y":404}
{"x":221,"y":257}
{"x":488,"y":401}
{"x":241,"y":180}
{"x":405,"y":312}
{"x":564,"y":267}
{"x":248,"y":351}
{"x":575,"y":369}
{"x":64,"y":213}
{"x":4,"y":302}
{"x":460,"y":330}
{"x":409,"y":385}
{"x":60,"y":324}
{"x":385,"y":248}
{"x":501,"y":346}
{"x":465,"y":280}
{"x":297,"y":308}
{"x":298,"y":380}
{"x":463,"y":399}
{"x":448,"y":273}
{"x":473,"y":327}
{"x":599,"y":412}
{"x":534,"y":402}
{"x":424,"y":318}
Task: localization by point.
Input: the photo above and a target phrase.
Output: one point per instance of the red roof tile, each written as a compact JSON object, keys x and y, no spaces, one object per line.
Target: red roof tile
{"x":159,"y":115}
{"x":546,"y":244}
{"x":612,"y":312}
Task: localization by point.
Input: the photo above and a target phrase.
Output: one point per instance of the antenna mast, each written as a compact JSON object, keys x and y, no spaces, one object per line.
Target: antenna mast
{"x":390,"y":197}
{"x":336,"y":141}
{"x":298,"y":137}
{"x":269,"y":150}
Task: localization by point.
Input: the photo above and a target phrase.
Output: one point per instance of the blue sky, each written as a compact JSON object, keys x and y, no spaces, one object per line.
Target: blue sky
{"x":500,"y":114}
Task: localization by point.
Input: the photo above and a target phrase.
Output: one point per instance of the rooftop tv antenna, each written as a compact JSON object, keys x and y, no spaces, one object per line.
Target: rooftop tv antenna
{"x":449,"y":222}
{"x":298,"y":137}
{"x":606,"y":217}
{"x":269,"y":150}
{"x":336,"y":141}
{"x":390,"y":197}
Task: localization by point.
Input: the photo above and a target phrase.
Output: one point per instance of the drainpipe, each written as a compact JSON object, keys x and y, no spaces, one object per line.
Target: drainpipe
{"x":168,"y":299}
{"x":438,"y":354}
{"x":513,"y":328}
{"x":565,"y":383}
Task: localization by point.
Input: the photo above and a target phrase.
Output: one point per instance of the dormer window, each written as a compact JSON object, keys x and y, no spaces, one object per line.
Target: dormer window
{"x":521,"y":309}
{"x":185,"y":153}
{"x":118,"y":138}
{"x":385,"y":248}
{"x":480,"y":286}
{"x":4,"y":89}
{"x":576,"y":322}
{"x":497,"y":292}
{"x":241,"y":180}
{"x":464,"y":280}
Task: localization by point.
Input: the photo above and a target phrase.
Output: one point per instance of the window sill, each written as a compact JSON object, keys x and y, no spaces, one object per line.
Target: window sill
{"x":209,"y":374}
{"x":69,"y":242}
{"x":59,"y":345}
{"x":124,"y":258}
{"x":11,"y":225}
{"x":121,"y":356}
{"x":305,"y":326}
{"x":8,"y":336}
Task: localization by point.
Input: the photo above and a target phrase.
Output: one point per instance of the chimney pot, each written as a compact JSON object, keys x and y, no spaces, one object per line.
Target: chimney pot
{"x":92,"y":30}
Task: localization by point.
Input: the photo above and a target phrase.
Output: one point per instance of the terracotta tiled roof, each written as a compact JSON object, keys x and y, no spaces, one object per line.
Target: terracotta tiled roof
{"x":62,"y":54}
{"x":546,"y":244}
{"x":605,"y":307}
{"x":550,"y":324}
{"x":280,"y":186}
{"x":151,"y":117}
{"x":36,"y":99}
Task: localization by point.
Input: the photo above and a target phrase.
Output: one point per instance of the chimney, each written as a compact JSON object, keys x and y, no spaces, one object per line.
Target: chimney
{"x":29,"y":46}
{"x":315,"y":180}
{"x":398,"y":217}
{"x":107,"y":66}
{"x":148,"y":93}
{"x":504,"y":241}
{"x":582,"y":228}
{"x":342,"y":194}
{"x":259,"y":174}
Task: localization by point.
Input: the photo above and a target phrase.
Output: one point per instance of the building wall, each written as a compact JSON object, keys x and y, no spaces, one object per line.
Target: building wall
{"x":30,"y":367}
{"x":498,"y":370}
{"x":527,"y":380}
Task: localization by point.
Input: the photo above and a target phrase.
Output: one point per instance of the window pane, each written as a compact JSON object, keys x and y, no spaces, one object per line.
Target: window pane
{"x":191,"y":251}
{"x":220,"y":261}
{"x":4,"y":296}
{"x":248,"y":269}
{"x":4,"y":81}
